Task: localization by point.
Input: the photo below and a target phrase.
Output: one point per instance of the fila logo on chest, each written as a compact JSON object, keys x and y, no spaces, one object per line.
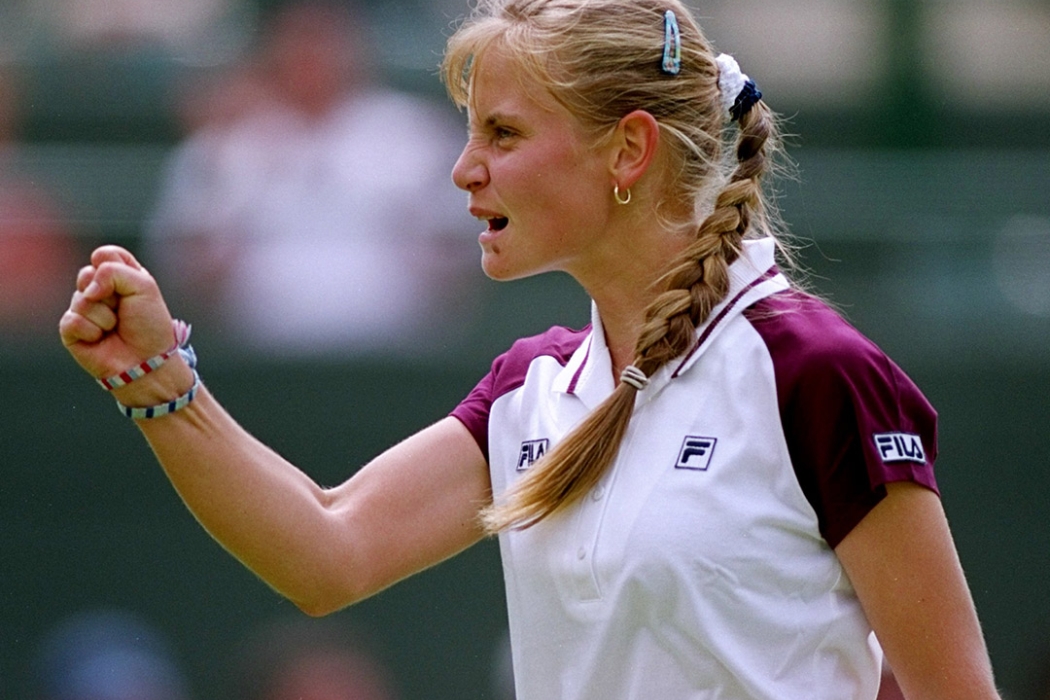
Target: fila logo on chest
{"x":696,"y":453}
{"x":531,"y":450}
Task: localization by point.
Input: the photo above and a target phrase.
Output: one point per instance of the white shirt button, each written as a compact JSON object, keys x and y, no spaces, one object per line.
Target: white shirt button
{"x":581,"y":554}
{"x":598,"y":492}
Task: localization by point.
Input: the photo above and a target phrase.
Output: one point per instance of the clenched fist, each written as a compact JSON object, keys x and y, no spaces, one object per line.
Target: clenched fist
{"x":116,"y":319}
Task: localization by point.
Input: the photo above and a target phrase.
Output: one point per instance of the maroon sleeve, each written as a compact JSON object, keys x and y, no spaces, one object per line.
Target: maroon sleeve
{"x":508,"y":372}
{"x":852,"y":419}
{"x":473,"y":411}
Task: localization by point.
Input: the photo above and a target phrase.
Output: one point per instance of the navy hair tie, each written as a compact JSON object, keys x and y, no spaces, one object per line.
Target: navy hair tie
{"x":749,"y":95}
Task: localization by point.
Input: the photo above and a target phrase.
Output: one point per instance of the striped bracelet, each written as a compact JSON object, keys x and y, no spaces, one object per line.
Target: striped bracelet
{"x":189,"y":356}
{"x":164,"y":408}
{"x":181,"y":330}
{"x":136,"y":372}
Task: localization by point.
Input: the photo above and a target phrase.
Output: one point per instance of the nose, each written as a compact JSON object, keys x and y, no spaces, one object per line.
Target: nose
{"x":469,"y":173}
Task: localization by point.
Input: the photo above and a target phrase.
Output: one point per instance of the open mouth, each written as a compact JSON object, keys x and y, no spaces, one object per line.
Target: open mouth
{"x":498,"y":224}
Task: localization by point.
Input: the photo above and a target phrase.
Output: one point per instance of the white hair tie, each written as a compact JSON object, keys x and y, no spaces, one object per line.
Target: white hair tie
{"x":739,"y":92}
{"x":635,"y":377}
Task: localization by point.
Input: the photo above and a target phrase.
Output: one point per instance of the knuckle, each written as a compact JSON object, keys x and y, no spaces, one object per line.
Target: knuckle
{"x":78,"y":303}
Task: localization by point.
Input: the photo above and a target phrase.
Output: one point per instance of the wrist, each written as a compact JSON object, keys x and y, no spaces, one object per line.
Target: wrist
{"x":157,"y":386}
{"x":161,"y":386}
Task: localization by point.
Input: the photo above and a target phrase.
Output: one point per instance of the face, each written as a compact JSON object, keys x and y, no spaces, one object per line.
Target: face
{"x":533,"y":175}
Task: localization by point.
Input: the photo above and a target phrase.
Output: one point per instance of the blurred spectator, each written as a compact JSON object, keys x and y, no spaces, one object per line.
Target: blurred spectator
{"x":210,"y":102}
{"x":308,"y":659}
{"x":313,"y":213}
{"x":107,"y":655}
{"x":38,"y":254}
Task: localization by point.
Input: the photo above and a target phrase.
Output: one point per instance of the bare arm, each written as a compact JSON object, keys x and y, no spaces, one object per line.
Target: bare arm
{"x":904,"y":567}
{"x":410,"y":508}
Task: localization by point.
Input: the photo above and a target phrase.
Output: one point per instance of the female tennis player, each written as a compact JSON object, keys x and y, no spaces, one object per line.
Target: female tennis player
{"x":717,"y":489}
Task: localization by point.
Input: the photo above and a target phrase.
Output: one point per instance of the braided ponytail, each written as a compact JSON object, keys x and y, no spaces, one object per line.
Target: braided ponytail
{"x":587,"y":60}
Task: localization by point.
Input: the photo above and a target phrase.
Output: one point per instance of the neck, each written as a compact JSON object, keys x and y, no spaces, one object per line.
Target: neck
{"x":631,"y":284}
{"x":622,"y":324}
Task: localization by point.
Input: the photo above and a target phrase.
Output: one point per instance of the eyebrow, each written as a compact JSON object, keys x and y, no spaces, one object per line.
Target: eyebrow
{"x":490,"y":121}
{"x":498,"y":117}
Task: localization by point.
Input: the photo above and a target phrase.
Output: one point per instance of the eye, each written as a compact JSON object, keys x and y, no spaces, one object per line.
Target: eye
{"x":502,"y":133}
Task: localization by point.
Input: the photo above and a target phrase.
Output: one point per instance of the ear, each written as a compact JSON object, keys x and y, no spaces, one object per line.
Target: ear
{"x":634,"y":145}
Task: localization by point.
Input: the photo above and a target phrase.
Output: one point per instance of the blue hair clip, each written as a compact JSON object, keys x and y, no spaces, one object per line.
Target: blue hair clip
{"x":672,"y":62}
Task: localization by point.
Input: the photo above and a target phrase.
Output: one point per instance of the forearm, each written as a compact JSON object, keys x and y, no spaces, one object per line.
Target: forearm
{"x":412,"y":506}
{"x":263,"y":510}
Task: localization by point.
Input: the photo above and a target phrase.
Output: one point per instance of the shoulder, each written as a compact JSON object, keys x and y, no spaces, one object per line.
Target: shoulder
{"x":816,"y":351}
{"x":558,"y":342}
{"x":804,"y":331}
{"x":508,"y":373}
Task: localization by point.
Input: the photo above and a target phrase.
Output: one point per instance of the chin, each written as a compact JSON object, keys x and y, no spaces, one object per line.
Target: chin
{"x":499,"y":274}
{"x":499,"y":270}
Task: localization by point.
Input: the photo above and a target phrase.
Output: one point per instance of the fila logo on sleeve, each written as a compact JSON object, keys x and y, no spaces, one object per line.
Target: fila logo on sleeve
{"x":900,"y":447}
{"x":531,"y":450}
{"x":696,"y":453}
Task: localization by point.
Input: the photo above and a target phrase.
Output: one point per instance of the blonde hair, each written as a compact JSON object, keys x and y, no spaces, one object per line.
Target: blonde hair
{"x":601,"y":59}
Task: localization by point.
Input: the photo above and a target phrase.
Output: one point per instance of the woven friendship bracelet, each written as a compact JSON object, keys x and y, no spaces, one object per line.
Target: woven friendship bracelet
{"x":164,"y":408}
{"x":181,"y":330}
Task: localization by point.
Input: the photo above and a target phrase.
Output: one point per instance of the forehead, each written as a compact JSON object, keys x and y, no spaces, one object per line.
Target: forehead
{"x":500,"y":84}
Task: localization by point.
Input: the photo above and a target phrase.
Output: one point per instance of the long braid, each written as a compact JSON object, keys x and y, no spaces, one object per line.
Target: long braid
{"x":699,"y":280}
{"x":695,"y":285}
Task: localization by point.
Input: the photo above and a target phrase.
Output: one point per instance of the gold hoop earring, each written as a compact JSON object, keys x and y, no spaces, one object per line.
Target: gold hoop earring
{"x":616,"y":195}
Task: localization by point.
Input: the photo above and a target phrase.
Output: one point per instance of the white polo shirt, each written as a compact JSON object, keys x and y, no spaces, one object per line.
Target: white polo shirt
{"x":702,"y":565}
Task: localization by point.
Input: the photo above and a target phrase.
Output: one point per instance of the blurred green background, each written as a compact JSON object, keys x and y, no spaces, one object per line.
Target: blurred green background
{"x":921,"y":201}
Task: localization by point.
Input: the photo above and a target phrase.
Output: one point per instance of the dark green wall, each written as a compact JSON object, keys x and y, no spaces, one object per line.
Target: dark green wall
{"x":88,"y":519}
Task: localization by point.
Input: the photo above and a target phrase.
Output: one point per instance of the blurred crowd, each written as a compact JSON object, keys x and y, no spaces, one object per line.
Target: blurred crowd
{"x":116,"y":654}
{"x":309,"y":209}
{"x":305,"y":210}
